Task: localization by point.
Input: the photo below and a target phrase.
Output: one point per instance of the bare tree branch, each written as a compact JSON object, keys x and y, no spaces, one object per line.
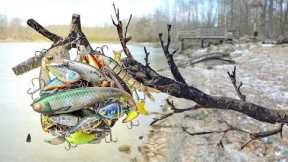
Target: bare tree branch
{"x":127,"y":25}
{"x":122,"y":36}
{"x":146,"y":59}
{"x":76,"y":36}
{"x":174,"y":111}
{"x":233,"y":79}
{"x":169,"y":56}
{"x":40,"y":29}
{"x":253,"y":136}
{"x":180,"y":90}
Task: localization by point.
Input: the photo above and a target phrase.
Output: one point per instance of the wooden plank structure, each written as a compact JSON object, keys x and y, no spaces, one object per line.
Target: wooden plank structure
{"x":204,"y":35}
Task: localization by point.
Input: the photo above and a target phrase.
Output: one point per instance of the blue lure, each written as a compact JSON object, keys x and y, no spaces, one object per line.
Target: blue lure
{"x":111,"y":111}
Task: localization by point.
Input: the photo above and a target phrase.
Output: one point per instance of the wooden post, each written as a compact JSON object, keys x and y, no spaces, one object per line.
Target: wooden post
{"x":202,"y":43}
{"x":182,"y":46}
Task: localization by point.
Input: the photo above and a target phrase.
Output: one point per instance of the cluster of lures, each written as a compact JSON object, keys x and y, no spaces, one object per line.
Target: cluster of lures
{"x":80,"y":100}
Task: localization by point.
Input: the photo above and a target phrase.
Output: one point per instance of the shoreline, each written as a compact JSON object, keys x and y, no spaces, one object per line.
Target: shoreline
{"x":167,"y":142}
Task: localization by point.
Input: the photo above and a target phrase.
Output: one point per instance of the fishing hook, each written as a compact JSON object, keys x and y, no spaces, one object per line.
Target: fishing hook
{"x":67,"y":145}
{"x":110,"y":137}
{"x":30,"y":91}
{"x":133,"y":124}
{"x":40,"y":53}
{"x":101,"y":51}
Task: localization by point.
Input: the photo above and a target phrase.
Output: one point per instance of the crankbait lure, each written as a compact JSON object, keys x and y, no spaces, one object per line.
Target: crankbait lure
{"x":79,"y":98}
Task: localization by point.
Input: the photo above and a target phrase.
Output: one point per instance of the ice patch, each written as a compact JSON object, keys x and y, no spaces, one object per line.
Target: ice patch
{"x":239,"y":52}
{"x":267,"y":45}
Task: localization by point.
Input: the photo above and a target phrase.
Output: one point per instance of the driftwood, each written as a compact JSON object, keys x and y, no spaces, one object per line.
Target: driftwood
{"x":212,"y":56}
{"x":282,"y":40}
{"x":75,"y":38}
{"x":175,"y":87}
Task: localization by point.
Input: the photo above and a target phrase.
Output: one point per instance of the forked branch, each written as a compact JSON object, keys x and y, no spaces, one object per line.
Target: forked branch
{"x":174,"y":111}
{"x":233,"y":79}
{"x":121,"y":33}
{"x":169,"y":56}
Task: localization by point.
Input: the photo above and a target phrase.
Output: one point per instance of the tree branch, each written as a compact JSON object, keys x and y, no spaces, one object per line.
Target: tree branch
{"x":169,"y":56}
{"x":174,"y":111}
{"x":146,"y":59}
{"x":122,"y":36}
{"x":233,"y":79}
{"x":76,"y":36}
{"x":180,"y":90}
{"x":40,"y":29}
{"x":253,"y":136}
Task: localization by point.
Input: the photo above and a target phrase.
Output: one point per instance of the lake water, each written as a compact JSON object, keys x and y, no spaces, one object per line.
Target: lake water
{"x":17,"y":118}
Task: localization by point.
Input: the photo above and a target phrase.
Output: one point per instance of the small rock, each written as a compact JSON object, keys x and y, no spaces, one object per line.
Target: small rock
{"x":28,"y":138}
{"x":125,"y":149}
{"x":140,"y":137}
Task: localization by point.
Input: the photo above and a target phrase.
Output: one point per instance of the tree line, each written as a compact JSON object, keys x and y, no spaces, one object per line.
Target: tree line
{"x":267,"y":18}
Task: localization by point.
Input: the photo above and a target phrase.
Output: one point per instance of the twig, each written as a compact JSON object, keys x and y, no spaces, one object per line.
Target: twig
{"x":127,"y":25}
{"x":122,"y":36}
{"x":146,"y":57}
{"x":169,"y":56}
{"x":253,"y":136}
{"x":264,"y":134}
{"x":174,"y":111}
{"x":233,"y":79}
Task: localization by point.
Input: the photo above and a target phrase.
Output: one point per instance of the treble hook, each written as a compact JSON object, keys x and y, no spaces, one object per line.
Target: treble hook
{"x":33,"y":85}
{"x":102,"y":49}
{"x":68,"y":145}
{"x":133,"y":124}
{"x":110,"y":137}
{"x":40,"y":53}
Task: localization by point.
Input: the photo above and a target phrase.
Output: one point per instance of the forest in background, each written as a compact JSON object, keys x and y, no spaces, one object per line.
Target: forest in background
{"x":268,"y":17}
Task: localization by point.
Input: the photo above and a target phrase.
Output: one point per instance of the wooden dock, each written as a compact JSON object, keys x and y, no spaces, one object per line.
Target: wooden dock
{"x":204,"y":36}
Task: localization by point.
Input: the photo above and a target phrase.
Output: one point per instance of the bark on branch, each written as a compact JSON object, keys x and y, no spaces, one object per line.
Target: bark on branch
{"x":237,"y":88}
{"x":75,"y":38}
{"x":174,"y":88}
{"x":40,"y":29}
{"x":121,"y":33}
{"x":169,"y":56}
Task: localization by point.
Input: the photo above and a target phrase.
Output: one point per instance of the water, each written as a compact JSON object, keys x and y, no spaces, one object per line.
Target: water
{"x":17,"y":119}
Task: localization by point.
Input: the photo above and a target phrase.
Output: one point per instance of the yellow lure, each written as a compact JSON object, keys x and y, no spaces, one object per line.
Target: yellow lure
{"x":79,"y":137}
{"x":130,"y":116}
{"x":141,"y":107}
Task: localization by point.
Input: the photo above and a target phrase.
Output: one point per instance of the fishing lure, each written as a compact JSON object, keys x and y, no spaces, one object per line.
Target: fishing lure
{"x":79,"y":137}
{"x":76,"y":138}
{"x":111,"y":111}
{"x":88,"y":122}
{"x":64,"y":119}
{"x":102,"y":61}
{"x":67,"y":76}
{"x":79,"y":98}
{"x":87,"y":72}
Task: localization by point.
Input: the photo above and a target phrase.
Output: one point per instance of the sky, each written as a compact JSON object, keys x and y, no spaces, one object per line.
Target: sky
{"x":93,"y":12}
